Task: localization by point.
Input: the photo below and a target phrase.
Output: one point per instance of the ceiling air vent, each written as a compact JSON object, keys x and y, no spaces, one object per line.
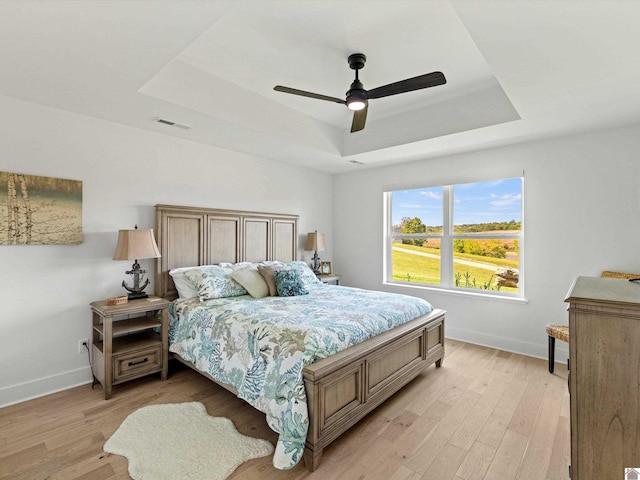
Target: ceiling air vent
{"x":170,"y":123}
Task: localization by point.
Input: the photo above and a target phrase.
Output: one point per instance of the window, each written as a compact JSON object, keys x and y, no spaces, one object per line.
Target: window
{"x":465,"y":237}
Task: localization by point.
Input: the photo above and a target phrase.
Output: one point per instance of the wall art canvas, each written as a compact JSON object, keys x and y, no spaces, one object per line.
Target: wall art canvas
{"x":38,"y":210}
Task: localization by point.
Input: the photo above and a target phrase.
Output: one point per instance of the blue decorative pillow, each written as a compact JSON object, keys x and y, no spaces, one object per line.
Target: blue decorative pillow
{"x":306,"y":274}
{"x":289,"y":283}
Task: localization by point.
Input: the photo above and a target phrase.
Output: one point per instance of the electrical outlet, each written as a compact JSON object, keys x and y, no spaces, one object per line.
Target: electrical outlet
{"x":81,"y":345}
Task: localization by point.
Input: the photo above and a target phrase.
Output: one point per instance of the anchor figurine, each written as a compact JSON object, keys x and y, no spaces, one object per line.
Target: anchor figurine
{"x":137,"y":291}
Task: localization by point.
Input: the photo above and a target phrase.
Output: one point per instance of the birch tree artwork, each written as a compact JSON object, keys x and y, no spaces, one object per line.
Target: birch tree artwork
{"x":39,"y":210}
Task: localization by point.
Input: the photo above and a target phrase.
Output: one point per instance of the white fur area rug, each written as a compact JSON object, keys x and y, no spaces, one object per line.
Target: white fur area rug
{"x":181,"y":441}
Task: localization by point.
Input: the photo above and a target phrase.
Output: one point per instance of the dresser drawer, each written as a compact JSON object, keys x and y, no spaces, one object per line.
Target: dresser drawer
{"x":137,"y":363}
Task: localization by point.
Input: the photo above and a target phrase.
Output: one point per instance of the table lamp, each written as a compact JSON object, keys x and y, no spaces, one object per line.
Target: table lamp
{"x":315,"y":243}
{"x":133,"y":245}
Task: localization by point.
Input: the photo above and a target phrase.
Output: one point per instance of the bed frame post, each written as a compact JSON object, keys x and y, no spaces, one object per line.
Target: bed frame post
{"x":312,"y":458}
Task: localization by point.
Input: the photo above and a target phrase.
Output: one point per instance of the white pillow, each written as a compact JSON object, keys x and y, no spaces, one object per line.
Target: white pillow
{"x":237,"y":266}
{"x":185,"y":287}
{"x":252,"y":281}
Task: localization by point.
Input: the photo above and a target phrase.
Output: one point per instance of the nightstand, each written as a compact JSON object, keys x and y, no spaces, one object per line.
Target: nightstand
{"x":330,"y":279}
{"x":129,"y":341}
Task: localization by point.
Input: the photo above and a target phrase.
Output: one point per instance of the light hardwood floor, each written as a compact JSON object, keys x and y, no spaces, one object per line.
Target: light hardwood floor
{"x":486,"y":414}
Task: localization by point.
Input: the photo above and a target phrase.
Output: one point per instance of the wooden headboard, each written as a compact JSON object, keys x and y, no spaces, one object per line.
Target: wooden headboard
{"x":189,"y":236}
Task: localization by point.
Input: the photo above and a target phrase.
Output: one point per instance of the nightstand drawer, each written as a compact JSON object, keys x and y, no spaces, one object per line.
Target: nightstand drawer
{"x":138,"y":363}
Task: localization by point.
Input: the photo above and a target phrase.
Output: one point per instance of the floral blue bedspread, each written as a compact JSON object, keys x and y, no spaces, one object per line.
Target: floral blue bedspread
{"x":260,"y":345}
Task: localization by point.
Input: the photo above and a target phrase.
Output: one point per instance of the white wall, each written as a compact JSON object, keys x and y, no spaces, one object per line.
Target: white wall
{"x":45,"y":291}
{"x":582,"y":216}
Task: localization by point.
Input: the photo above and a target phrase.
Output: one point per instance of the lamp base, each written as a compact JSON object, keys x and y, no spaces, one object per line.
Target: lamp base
{"x":136,"y":291}
{"x":315,"y":267}
{"x":137,"y":295}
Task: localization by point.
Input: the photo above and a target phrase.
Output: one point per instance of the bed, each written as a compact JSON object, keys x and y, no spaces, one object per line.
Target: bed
{"x":338,"y":382}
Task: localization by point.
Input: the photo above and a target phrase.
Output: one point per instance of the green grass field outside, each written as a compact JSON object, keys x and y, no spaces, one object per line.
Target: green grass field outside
{"x":414,"y":268}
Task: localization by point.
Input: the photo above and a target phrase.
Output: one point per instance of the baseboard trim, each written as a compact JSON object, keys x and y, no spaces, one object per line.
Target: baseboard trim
{"x":41,"y":387}
{"x":508,"y":344}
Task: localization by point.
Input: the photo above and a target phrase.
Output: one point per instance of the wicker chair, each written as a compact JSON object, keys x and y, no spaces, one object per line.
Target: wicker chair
{"x":561,"y":332}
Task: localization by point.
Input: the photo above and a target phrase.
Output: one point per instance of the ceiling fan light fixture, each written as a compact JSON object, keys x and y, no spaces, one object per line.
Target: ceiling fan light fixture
{"x":356,"y":99}
{"x":356,"y":105}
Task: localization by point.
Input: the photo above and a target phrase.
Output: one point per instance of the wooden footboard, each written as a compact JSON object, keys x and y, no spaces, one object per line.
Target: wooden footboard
{"x":344,"y":388}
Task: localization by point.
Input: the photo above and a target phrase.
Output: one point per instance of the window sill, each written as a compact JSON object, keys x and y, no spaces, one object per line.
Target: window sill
{"x":463,"y":293}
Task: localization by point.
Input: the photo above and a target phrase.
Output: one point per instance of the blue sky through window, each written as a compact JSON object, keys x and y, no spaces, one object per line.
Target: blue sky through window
{"x":480,"y":202}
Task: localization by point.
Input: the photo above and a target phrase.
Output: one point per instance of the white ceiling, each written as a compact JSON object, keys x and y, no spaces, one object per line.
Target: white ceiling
{"x":516,"y":71}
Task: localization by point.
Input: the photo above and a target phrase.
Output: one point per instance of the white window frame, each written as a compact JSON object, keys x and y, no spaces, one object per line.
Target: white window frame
{"x":447,"y":279}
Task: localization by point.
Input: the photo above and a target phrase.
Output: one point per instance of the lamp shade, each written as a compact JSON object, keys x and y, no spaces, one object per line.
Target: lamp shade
{"x":315,"y":242}
{"x":135,"y":244}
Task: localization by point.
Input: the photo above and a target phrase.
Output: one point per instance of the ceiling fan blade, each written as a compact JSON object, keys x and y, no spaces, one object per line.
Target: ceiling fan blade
{"x":427,"y":80}
{"x":359,"y":119}
{"x":294,"y":91}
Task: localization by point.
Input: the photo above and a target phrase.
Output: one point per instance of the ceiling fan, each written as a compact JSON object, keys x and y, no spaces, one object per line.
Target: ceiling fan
{"x":357,"y":98}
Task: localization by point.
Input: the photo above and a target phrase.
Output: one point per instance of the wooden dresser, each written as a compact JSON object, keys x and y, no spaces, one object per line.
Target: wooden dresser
{"x":604,"y":377}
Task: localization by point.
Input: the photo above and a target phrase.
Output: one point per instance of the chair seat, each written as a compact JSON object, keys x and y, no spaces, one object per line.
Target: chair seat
{"x":561,"y":332}
{"x":610,"y":274}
